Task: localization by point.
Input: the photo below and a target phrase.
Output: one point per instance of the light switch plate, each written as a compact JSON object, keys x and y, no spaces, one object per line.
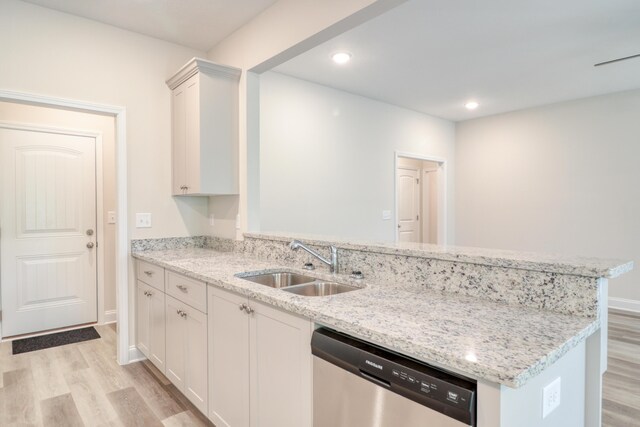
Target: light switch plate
{"x":212,"y":220}
{"x":143,"y":220}
{"x":386,"y":215}
{"x":551,"y":397}
{"x":111,"y":217}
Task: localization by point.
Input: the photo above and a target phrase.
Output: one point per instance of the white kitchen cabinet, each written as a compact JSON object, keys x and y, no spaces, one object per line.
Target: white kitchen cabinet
{"x":228,"y":359}
{"x":259,"y":358}
{"x":204,"y":129}
{"x":186,"y":355}
{"x":150,"y":316}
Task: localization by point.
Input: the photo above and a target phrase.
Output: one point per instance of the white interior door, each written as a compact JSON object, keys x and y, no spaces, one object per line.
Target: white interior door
{"x":408,"y":204}
{"x":47,"y":257}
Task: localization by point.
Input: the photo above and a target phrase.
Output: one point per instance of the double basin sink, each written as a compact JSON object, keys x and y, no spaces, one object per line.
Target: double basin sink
{"x":299,"y":284}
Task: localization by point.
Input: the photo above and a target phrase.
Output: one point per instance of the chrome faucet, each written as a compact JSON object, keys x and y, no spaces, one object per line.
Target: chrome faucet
{"x":332,"y":263}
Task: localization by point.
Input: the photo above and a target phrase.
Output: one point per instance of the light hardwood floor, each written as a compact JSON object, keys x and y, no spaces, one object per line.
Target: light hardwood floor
{"x":621,"y":392}
{"x":81,"y":384}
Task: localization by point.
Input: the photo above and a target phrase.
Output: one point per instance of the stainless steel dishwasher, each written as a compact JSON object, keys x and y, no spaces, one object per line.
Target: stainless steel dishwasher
{"x":356,"y":384}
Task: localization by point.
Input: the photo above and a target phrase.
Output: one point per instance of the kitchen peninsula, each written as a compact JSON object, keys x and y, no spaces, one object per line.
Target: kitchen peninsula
{"x":511,"y":321}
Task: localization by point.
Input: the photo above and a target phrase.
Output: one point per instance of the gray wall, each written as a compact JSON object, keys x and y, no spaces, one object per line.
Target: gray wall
{"x":561,"y":178}
{"x":327,"y":158}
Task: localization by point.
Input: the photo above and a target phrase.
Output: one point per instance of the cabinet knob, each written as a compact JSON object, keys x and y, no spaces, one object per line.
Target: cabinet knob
{"x":242,"y":307}
{"x":183,"y":288}
{"x":248,"y":309}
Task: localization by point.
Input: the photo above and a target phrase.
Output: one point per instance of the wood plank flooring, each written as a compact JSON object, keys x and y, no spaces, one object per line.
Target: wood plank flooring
{"x":621,"y":391}
{"x":82,"y":385}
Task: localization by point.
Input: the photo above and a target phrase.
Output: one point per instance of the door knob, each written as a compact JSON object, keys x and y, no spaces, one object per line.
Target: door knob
{"x":90,"y":245}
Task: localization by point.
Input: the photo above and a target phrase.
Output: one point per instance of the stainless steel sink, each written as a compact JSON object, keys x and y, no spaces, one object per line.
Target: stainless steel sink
{"x":320,"y":289}
{"x":279,"y":279}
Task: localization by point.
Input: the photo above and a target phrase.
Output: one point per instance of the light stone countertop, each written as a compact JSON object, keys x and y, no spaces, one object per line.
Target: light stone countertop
{"x":481,"y":339}
{"x":555,"y":263}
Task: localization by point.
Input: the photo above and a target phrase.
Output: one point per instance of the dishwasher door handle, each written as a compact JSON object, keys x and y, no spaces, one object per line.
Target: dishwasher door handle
{"x":375,"y":379}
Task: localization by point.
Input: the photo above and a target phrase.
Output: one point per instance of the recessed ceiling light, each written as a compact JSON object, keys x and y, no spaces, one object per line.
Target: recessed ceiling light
{"x":471,"y":105}
{"x":341,"y":57}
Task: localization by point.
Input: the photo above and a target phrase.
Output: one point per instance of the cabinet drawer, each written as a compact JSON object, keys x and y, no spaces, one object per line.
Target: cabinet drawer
{"x":151,"y":275}
{"x":189,"y":291}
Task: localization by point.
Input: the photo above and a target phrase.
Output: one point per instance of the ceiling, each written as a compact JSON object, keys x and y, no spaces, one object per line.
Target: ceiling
{"x":199,"y":24}
{"x":433,"y":56}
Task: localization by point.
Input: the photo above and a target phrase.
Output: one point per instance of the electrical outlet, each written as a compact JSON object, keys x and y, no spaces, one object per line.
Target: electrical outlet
{"x":143,"y":220}
{"x":550,"y":397}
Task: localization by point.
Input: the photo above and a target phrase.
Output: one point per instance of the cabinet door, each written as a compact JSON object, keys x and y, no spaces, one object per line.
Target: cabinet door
{"x":281,"y":368}
{"x":195,"y":371}
{"x":179,"y":140}
{"x":156,"y":328}
{"x":143,"y":310}
{"x":192,"y":131}
{"x":228,"y":359}
{"x":176,"y":342}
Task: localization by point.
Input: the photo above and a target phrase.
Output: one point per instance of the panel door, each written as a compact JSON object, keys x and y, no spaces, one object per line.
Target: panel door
{"x":228,"y":359}
{"x":281,"y":368}
{"x":48,"y":260}
{"x":408,"y":205}
{"x":176,"y":342}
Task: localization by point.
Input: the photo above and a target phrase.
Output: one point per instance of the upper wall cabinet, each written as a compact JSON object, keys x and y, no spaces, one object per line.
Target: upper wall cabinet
{"x":204,"y":129}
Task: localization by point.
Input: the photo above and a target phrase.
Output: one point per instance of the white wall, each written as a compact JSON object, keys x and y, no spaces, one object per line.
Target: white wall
{"x":281,"y":32}
{"x":51,"y":53}
{"x":327,"y":158}
{"x":560,"y":178}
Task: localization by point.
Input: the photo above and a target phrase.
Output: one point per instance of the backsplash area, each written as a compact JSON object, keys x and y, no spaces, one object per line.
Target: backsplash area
{"x":481,"y":275}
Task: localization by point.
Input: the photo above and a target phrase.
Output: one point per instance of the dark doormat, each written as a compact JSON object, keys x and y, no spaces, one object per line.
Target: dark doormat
{"x":54,"y":340}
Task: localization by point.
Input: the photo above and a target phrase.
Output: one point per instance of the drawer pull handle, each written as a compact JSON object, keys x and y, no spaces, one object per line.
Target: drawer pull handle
{"x":148,"y":294}
{"x":148,"y":272}
{"x":183,"y":288}
{"x":242,"y":307}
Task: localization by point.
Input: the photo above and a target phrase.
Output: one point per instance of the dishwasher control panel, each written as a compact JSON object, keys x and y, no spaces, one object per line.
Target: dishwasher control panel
{"x":444,"y":392}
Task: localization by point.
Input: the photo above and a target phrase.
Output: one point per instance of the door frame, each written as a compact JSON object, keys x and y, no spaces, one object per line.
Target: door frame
{"x":442,"y":192}
{"x":122,"y":234}
{"x":99,"y":190}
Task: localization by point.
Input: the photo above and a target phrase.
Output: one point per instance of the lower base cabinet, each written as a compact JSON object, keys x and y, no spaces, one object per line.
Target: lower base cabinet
{"x":260,"y":364}
{"x":186,"y":351}
{"x":150,"y":306}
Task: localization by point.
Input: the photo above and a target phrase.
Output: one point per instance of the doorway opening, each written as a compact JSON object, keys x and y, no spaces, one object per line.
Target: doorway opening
{"x":420,"y":193}
{"x":118,"y":309}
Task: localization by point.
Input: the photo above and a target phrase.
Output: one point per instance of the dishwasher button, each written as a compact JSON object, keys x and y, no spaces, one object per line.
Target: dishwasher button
{"x":396,"y":373}
{"x":412,"y":380}
{"x":424,"y":387}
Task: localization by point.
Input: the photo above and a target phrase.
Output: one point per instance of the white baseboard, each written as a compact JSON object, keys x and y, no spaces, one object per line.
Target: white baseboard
{"x":625,"y":304}
{"x":110,"y":316}
{"x":135,"y":355}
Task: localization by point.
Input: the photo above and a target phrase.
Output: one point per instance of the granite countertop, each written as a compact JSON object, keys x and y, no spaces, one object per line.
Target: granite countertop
{"x":555,"y":263}
{"x":481,"y":339}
